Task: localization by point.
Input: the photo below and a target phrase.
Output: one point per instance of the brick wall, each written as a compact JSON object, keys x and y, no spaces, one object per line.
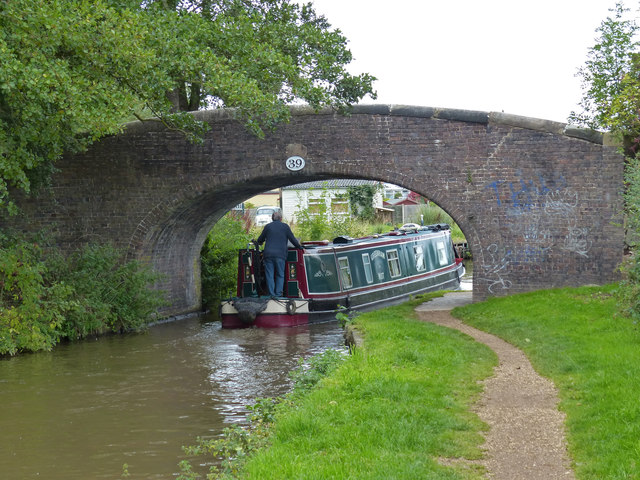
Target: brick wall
{"x":538,"y":202}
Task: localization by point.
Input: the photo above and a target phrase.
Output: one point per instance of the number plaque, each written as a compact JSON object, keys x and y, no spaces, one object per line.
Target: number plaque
{"x":295,"y":163}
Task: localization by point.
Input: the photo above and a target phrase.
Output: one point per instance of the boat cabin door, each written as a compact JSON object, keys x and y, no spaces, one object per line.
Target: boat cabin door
{"x":251,"y":279}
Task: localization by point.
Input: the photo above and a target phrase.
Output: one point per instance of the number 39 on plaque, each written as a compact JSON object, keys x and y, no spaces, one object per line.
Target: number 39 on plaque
{"x":295,"y":163}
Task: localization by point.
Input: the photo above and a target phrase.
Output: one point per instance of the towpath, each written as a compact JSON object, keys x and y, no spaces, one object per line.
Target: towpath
{"x":526,"y":438}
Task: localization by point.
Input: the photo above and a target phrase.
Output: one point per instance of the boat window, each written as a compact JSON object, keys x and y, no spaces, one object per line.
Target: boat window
{"x":442,"y":253}
{"x":321,"y":273}
{"x":394,"y":263}
{"x":366,"y":261}
{"x":345,"y":272}
{"x":419,"y":256}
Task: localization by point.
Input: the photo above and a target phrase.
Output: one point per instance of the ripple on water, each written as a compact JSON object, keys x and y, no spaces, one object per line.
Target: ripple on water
{"x":85,"y":409}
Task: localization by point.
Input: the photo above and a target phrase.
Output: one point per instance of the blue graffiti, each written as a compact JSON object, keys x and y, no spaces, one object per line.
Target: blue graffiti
{"x":522,"y":194}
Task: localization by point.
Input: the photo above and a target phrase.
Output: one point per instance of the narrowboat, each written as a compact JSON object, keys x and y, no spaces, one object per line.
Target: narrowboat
{"x":353,"y":273}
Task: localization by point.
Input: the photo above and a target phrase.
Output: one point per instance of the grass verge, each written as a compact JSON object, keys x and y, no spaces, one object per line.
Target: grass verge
{"x":390,"y":411}
{"x":576,"y":338}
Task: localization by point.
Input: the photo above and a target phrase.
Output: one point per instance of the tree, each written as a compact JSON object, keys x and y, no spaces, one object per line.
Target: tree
{"x":73,"y":71}
{"x":611,"y":96}
{"x":361,"y":199}
{"x":611,"y":101}
{"x":611,"y":79}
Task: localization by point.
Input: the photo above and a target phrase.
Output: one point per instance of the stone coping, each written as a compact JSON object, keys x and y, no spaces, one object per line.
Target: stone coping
{"x":452,"y":114}
{"x":470,"y":116}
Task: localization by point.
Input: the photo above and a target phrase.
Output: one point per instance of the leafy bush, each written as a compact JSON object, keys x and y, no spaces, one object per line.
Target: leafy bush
{"x":316,"y":223}
{"x":361,"y":200}
{"x":629,"y":291}
{"x":45,"y":297}
{"x":32,"y":310}
{"x":219,"y":257}
{"x":110,"y":295}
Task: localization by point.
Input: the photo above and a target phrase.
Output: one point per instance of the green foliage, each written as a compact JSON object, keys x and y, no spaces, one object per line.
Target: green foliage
{"x":575,"y":337}
{"x":219,"y":257}
{"x":109,"y":294}
{"x":311,"y":371}
{"x":611,"y":101}
{"x":610,"y":78}
{"x":632,"y":197}
{"x":628,"y":294}
{"x":72,"y":71}
{"x":434,"y":214}
{"x":346,"y":317}
{"x":45,"y":298}
{"x":230,"y":451}
{"x":32,"y":309}
{"x":379,"y":228}
{"x":629,"y":291}
{"x":315,"y":222}
{"x":361,"y":200}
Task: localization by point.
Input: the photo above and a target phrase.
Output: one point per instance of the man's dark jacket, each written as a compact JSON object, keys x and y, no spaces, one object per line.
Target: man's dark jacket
{"x":276,"y":234}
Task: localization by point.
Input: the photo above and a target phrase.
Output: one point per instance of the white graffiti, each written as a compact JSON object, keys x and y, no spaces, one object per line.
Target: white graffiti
{"x":577,"y":241}
{"x":561,"y":203}
{"x":550,"y":222}
{"x":541,"y":215}
{"x":493,"y":269}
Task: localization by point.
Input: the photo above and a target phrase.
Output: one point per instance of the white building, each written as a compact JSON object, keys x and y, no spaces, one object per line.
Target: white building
{"x":394,"y":191}
{"x":330,"y":194}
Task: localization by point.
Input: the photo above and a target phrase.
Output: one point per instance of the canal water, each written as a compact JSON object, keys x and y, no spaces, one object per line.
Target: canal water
{"x":84,"y":410}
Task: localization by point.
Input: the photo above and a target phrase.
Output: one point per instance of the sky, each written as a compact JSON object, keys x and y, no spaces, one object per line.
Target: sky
{"x":516,"y":56}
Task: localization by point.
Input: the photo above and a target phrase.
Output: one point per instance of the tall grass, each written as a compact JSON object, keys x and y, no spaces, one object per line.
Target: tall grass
{"x":432,"y":213}
{"x":576,"y":338}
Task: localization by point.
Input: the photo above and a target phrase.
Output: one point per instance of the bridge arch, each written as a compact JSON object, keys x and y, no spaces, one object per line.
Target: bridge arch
{"x":538,"y":201}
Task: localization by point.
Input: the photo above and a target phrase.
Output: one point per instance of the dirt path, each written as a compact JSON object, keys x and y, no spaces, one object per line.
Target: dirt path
{"x":526,"y":439}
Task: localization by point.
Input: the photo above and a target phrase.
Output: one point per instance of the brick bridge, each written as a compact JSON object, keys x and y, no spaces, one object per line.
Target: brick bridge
{"x":539,"y":202}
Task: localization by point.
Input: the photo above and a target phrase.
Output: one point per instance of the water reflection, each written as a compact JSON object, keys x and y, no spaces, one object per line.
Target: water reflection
{"x":85,"y":409}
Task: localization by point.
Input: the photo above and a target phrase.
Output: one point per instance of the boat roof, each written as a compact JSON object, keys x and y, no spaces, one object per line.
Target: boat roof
{"x":330,"y":183}
{"x":404,"y":233}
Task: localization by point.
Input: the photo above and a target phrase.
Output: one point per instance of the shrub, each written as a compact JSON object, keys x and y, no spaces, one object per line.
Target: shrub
{"x":32,"y":310}
{"x":308,"y":373}
{"x":629,"y":291}
{"x":45,"y":297}
{"x":361,"y":199}
{"x":219,"y":257}
{"x":110,"y":295}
